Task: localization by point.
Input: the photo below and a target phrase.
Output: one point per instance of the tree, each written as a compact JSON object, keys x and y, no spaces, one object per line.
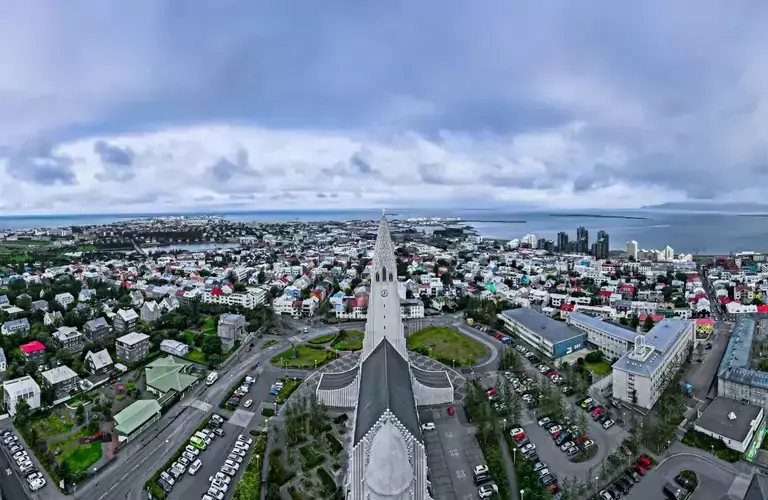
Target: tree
{"x":582,"y":423}
{"x":23,"y":414}
{"x":80,"y":414}
{"x":634,"y":321}
{"x":47,"y":396}
{"x":648,"y":323}
{"x":211,"y":345}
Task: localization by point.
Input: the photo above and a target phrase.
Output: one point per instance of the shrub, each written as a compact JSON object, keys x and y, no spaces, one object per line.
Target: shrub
{"x":707,"y":443}
{"x":329,"y":485}
{"x":268,"y":412}
{"x":278,"y":474}
{"x":493,"y":459}
{"x":594,"y":357}
{"x":333,"y":443}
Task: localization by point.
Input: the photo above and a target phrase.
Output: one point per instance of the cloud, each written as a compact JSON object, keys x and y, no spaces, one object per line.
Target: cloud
{"x":519,"y":103}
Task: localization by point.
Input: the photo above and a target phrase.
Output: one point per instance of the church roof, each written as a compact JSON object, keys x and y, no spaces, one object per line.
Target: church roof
{"x":385,"y":384}
{"x":333,"y":381}
{"x":434,"y":379}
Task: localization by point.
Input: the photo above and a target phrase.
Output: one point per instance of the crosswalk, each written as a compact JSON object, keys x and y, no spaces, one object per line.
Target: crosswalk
{"x":200,"y":405}
{"x":296,"y":339}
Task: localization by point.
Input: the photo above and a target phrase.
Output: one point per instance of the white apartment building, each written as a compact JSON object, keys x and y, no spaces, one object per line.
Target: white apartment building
{"x":411,"y":308}
{"x":65,"y":299}
{"x":241,"y":299}
{"x":640,"y":375}
{"x":632,"y":249}
{"x":21,"y":388}
{"x":735,"y":377}
{"x":612,"y":339}
{"x":284,"y":305}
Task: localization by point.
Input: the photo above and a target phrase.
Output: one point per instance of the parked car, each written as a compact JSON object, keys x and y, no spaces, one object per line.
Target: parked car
{"x":565,"y":446}
{"x":228,"y":470}
{"x":639,"y":469}
{"x":194,"y":467}
{"x":215,"y":494}
{"x":517,"y":433}
{"x":248,"y":403}
{"x":587,"y":444}
{"x":538,"y":466}
{"x":218,"y":432}
{"x":544,"y":421}
{"x":528,"y":447}
{"x":683,"y":481}
{"x":191,"y":449}
{"x":232,"y":464}
{"x":235,"y":458}
{"x":604,"y":495}
{"x":482,"y":478}
{"x":429,"y":426}
{"x":554,"y":429}
{"x":572,"y":451}
{"x":644,"y":461}
{"x":608,"y":424}
{"x":451,"y":411}
{"x":480,"y":469}
{"x":487,"y":490}
{"x":238,"y":451}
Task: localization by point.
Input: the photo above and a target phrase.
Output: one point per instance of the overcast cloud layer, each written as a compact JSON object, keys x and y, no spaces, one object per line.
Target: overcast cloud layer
{"x":148,"y":106}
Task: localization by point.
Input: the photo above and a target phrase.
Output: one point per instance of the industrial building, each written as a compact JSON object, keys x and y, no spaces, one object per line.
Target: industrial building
{"x":553,"y":338}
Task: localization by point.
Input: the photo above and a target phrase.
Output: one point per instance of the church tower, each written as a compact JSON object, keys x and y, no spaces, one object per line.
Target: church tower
{"x":384,"y":317}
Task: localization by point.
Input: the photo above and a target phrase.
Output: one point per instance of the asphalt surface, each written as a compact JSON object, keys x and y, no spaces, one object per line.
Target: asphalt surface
{"x":10,"y":484}
{"x":124,"y":478}
{"x":701,"y":375}
{"x":212,"y":458}
{"x":714,"y":481}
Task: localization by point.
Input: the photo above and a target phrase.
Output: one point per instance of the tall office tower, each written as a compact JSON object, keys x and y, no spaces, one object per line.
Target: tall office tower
{"x":632,"y":249}
{"x":562,"y":241}
{"x":669,"y":254}
{"x":602,"y":245}
{"x":582,"y":240}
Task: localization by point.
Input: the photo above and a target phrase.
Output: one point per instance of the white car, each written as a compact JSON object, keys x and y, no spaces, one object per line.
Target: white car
{"x":544,"y":421}
{"x":179,"y":467}
{"x":232,"y":464}
{"x":565,"y":446}
{"x":195,"y":467}
{"x":481,"y":469}
{"x":219,"y":485}
{"x":228,"y":470}
{"x":516,"y":431}
{"x":221,"y":477}
{"x":19,"y":454}
{"x":241,"y":445}
{"x":608,"y":424}
{"x":245,"y":439}
{"x":187,"y":455}
{"x":208,"y":497}
{"x":184,"y":461}
{"x":167,"y":478}
{"x":216,"y":494}
{"x":588,"y":444}
{"x":235,"y":458}
{"x":527,"y":448}
{"x":487,"y":490}
{"x":239,"y":452}
{"x":543,"y":472}
{"x":554,"y":429}
{"x":248,"y":403}
{"x":37,"y":484}
{"x":429,"y":426}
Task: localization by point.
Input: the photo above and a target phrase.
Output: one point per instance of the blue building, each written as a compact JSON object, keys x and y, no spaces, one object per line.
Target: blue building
{"x":554,"y":338}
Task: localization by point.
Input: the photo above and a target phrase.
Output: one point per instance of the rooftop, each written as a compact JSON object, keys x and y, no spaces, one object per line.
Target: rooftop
{"x":59,"y":374}
{"x":735,"y":365}
{"x":167,"y":373}
{"x":33,"y":346}
{"x":136,"y":415}
{"x":551,"y":329}
{"x":132,"y":338}
{"x":666,"y":332}
{"x":605,"y":326}
{"x":729,"y":418}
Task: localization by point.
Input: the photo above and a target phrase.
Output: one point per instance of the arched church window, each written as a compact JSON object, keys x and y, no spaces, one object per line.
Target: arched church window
{"x":377,"y":277}
{"x":390,"y":276}
{"x":384,"y":273}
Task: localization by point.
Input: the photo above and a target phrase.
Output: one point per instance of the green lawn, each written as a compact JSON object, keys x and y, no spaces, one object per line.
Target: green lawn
{"x":189,"y":336}
{"x":196,"y":356}
{"x":447,"y":345}
{"x":86,"y":248}
{"x":349,"y":340}
{"x":209,"y":325}
{"x":53,"y":425}
{"x":307,"y":357}
{"x":83,"y":456}
{"x":269,"y":344}
{"x":601,"y":368}
{"x":30,"y":243}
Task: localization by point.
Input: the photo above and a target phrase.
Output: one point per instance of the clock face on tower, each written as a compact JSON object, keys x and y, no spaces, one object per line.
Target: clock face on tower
{"x":383,"y":293}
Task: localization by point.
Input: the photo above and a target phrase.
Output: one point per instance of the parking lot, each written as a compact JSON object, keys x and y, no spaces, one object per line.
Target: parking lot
{"x":452,"y":454}
{"x":15,"y":481}
{"x":195,"y":486}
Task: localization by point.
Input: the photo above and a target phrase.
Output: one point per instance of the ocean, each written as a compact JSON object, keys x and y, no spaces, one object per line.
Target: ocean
{"x":705,"y":233}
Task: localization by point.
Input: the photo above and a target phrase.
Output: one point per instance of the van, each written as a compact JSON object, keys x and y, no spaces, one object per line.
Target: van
{"x":195,"y":467}
{"x":200,"y":435}
{"x":197,"y":443}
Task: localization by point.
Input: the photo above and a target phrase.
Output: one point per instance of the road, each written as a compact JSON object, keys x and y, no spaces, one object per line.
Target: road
{"x":11,"y":483}
{"x":124,"y":478}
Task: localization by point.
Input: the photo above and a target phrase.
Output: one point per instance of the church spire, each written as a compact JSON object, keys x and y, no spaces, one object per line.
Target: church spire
{"x":384,"y":319}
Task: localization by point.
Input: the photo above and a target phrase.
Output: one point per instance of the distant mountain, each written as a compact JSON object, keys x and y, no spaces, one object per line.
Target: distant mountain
{"x":703,"y":206}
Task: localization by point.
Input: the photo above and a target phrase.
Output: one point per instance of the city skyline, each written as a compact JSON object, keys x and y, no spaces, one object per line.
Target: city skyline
{"x":260,"y":104}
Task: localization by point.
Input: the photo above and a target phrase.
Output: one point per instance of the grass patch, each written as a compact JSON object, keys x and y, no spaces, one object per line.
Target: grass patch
{"x":323,"y":340}
{"x":493,"y":458}
{"x":249,"y":485}
{"x":310,"y":457}
{"x":601,"y":368}
{"x":30,"y":243}
{"x":304,"y":357}
{"x":85,"y":248}
{"x":447,"y":346}
{"x":585,"y":455}
{"x":196,"y":356}
{"x":189,"y":336}
{"x":269,"y":344}
{"x":702,"y":441}
{"x":53,"y":425}
{"x":209,"y":325}
{"x":692,"y":477}
{"x":329,"y":486}
{"x":289,"y":386}
{"x":349,"y":340}
{"x":83,"y":457}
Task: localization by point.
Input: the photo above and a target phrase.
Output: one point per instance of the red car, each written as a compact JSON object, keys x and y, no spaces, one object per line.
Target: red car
{"x":554,"y":436}
{"x":451,"y":411}
{"x":644,"y":461}
{"x":490,"y":392}
{"x":596,"y":412}
{"x":551,"y":372}
{"x":553,"y":488}
{"x":497,"y":336}
{"x":640,"y":470}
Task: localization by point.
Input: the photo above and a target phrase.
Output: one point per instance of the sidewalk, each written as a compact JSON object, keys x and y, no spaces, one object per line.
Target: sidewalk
{"x":510,"y":465}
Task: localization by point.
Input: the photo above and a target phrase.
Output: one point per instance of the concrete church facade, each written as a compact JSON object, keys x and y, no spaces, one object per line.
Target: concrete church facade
{"x":387,"y":458}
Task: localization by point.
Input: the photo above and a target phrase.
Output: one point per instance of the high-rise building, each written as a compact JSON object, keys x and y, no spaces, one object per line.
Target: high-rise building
{"x":562,"y":241}
{"x":387,"y":457}
{"x":669,"y":254}
{"x":582,"y":240}
{"x":602,"y":245}
{"x":632,"y":249}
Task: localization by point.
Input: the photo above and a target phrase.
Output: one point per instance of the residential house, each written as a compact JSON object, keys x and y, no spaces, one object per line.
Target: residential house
{"x":33,"y":351}
{"x":96,"y":329}
{"x":86,"y":295}
{"x":169,"y":374}
{"x":40,"y":305}
{"x":4,"y":302}
{"x":150,"y":311}
{"x":133,"y":347}
{"x":52,"y":318}
{"x":21,"y":388}
{"x":126,"y":321}
{"x":69,"y":339}
{"x":3,"y":363}
{"x":169,"y":304}
{"x":231,"y":327}
{"x":64,"y":299}
{"x":62,"y":378}
{"x":16,"y":326}
{"x":137,"y":299}
{"x":174,"y":347}
{"x":99,"y":362}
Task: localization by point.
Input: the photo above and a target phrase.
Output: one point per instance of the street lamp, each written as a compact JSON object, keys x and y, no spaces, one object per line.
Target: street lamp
{"x":514,"y":455}
{"x":521,"y":494}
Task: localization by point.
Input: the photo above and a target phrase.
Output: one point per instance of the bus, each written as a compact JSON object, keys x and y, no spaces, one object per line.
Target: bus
{"x":197,"y":443}
{"x":212,"y":377}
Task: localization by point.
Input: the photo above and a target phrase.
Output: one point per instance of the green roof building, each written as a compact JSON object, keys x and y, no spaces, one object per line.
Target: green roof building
{"x":169,"y":374}
{"x":130,"y":422}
